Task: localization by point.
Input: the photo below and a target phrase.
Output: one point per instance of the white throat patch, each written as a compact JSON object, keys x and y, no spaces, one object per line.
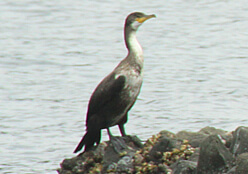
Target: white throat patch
{"x":135,"y":25}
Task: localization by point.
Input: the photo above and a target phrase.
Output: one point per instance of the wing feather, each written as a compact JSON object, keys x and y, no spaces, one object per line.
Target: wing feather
{"x":108,"y":88}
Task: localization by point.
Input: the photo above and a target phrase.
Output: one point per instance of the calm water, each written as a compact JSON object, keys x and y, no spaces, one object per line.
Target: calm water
{"x":54,"y":53}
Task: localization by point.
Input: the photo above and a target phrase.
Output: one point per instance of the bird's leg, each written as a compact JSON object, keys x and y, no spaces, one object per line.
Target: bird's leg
{"x":118,"y":143}
{"x":121,"y":127}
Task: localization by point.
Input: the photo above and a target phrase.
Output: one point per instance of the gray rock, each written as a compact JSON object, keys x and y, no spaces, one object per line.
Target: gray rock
{"x":195,"y":156}
{"x":125,"y":165}
{"x":162,"y":168}
{"x":226,"y":137}
{"x":164,"y":144}
{"x":240,"y":141}
{"x":184,"y":167}
{"x":242,"y":164}
{"x":114,"y":160}
{"x":212,"y":131}
{"x":102,"y":158}
{"x":194,"y":138}
{"x":167,"y":153}
{"x":214,"y":156}
{"x":166,"y":133}
{"x":68,"y":164}
{"x":232,"y":170}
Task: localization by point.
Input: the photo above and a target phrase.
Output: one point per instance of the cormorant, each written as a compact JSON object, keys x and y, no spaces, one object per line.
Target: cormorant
{"x":116,"y":93}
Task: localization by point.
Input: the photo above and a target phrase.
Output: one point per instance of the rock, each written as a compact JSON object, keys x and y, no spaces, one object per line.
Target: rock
{"x":214,"y":156}
{"x":212,"y":131}
{"x":242,"y":164}
{"x":194,"y":138}
{"x":125,"y":165}
{"x":163,"y":169}
{"x":226,"y":137}
{"x":195,"y":156}
{"x":168,"y":134}
{"x":168,"y":150}
{"x":68,"y":164}
{"x":184,"y":167}
{"x":111,"y":157}
{"x":164,"y":144}
{"x":113,"y":161}
{"x":165,"y":153}
{"x":232,"y":170}
{"x":102,"y":158}
{"x":83,"y":162}
{"x":240,"y":141}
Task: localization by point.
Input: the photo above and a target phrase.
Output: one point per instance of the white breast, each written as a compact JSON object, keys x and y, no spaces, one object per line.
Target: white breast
{"x":134,"y":82}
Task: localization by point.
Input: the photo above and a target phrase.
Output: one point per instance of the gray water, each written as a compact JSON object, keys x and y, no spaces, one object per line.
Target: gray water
{"x":54,"y":53}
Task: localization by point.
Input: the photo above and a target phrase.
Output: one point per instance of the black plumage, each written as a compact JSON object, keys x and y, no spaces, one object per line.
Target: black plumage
{"x":116,"y":93}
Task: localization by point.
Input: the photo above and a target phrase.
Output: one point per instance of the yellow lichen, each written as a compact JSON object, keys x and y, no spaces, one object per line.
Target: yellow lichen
{"x":123,"y":153}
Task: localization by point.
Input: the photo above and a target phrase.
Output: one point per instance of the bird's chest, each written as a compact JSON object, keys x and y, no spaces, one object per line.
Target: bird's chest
{"x":134,"y":79}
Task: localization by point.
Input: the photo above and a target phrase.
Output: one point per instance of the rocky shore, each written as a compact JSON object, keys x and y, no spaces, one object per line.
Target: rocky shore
{"x":208,"y":151}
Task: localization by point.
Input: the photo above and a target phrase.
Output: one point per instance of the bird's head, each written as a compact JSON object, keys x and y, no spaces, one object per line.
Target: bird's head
{"x":134,"y":20}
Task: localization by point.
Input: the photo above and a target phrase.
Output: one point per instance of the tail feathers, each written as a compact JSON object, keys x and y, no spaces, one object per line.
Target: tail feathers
{"x":88,"y":140}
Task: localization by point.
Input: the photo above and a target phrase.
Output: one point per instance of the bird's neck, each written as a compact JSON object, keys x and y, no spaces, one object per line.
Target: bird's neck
{"x":133,"y":45}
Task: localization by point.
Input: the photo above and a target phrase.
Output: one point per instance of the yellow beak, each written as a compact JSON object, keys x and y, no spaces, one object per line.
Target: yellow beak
{"x":143,"y":19}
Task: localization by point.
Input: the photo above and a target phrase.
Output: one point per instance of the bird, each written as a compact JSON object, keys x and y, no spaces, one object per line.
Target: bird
{"x":117,"y":92}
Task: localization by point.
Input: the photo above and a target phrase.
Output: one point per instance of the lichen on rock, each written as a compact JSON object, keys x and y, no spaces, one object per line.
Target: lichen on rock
{"x":209,"y":150}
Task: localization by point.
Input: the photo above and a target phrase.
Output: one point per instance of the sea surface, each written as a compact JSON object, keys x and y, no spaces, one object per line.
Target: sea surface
{"x":54,"y":53}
